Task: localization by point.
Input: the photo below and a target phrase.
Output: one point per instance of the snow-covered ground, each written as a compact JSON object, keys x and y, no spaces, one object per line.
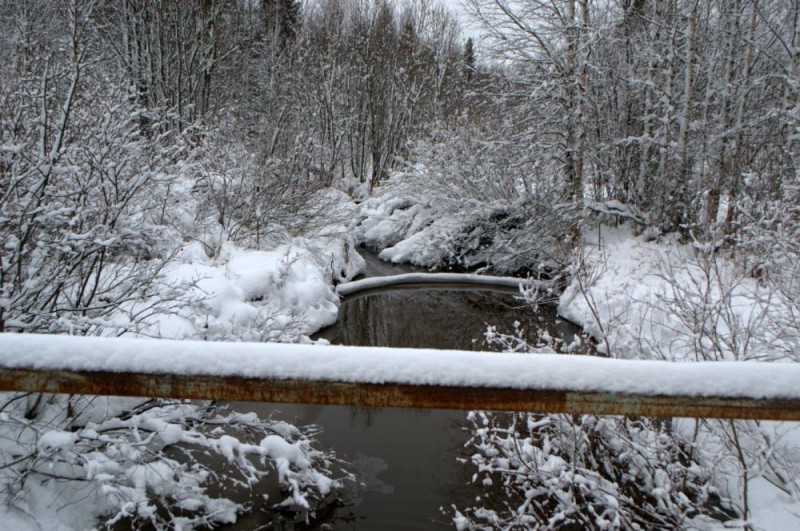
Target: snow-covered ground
{"x":282,"y":294}
{"x":660,"y":299}
{"x":218,"y":287}
{"x":74,"y":461}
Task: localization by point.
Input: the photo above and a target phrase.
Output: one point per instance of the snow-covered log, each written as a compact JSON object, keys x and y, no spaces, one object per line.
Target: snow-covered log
{"x":422,"y":279}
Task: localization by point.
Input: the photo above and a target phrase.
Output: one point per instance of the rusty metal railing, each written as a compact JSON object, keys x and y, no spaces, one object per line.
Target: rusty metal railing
{"x":78,"y":368}
{"x":392,"y":395}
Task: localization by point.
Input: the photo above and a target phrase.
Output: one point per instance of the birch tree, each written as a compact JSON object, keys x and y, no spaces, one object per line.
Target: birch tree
{"x":550,"y":41}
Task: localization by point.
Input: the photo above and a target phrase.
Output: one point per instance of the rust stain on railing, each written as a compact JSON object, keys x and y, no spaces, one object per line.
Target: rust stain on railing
{"x":392,"y":395}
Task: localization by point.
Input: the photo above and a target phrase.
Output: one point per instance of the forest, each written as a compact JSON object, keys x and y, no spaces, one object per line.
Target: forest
{"x":208,"y":170}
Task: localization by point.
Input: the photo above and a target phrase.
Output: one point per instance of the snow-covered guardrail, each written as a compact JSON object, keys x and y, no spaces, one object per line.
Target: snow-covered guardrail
{"x":397,"y":377}
{"x":427,"y":279}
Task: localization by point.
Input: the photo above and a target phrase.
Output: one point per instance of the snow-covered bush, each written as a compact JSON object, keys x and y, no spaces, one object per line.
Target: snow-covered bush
{"x":767,"y":249}
{"x":259,"y":203}
{"x":471,"y":200}
{"x":586,"y":472}
{"x":664,"y":299}
{"x":642,"y":298}
{"x":698,"y":301}
{"x":167,"y":465}
{"x":718,"y":312}
{"x":82,"y":207}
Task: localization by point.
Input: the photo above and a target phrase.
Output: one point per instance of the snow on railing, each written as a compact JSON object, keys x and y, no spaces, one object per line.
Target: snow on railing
{"x":420,"y":378}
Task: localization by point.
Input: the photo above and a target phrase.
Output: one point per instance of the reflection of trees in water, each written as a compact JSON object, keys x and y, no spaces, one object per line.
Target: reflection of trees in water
{"x":418,"y":319}
{"x":436,"y":319}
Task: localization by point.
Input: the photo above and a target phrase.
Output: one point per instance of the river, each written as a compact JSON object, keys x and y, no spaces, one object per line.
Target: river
{"x":407,"y":459}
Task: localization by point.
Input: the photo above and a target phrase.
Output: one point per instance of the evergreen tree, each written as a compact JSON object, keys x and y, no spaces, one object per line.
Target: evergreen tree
{"x":281,"y":18}
{"x":469,"y":59}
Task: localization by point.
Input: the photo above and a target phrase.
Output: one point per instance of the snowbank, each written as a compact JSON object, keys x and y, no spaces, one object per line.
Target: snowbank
{"x":280,"y":294}
{"x":666,"y":300}
{"x":430,"y":227}
{"x":409,"y":229}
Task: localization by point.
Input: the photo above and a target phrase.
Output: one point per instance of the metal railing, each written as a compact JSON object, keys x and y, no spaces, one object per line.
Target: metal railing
{"x":57,"y":371}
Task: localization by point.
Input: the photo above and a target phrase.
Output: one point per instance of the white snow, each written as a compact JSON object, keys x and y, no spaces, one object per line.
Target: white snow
{"x":430,"y":218}
{"x":56,"y":440}
{"x":660,"y":299}
{"x":349,"y":288}
{"x":252,"y":295}
{"x":772,"y":507}
{"x":421,"y":228}
{"x":665,"y":300}
{"x":403,"y":366}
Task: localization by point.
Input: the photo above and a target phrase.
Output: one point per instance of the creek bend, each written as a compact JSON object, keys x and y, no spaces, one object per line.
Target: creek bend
{"x":407,"y":459}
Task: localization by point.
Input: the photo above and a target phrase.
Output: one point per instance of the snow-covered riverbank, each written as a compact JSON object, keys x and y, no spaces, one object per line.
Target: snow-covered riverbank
{"x":660,"y":299}
{"x":640,"y":297}
{"x":95,"y":459}
{"x":282,"y":294}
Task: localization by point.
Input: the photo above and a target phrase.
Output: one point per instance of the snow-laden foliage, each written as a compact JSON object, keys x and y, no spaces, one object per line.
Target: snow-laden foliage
{"x":680,"y":108}
{"x":470,"y":201}
{"x":586,"y":472}
{"x":666,"y":300}
{"x":148,"y":462}
{"x":117,"y":217}
{"x":583,"y":471}
{"x":258,"y":262}
{"x":81,"y":221}
{"x":168,"y":465}
{"x":259,"y":202}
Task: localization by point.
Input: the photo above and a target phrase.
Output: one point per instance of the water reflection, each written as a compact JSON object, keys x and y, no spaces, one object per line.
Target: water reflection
{"x":407,"y":460}
{"x":441,"y":318}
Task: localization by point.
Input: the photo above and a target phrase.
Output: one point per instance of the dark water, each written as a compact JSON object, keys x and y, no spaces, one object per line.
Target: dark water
{"x":441,"y":318}
{"x":406,"y":459}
